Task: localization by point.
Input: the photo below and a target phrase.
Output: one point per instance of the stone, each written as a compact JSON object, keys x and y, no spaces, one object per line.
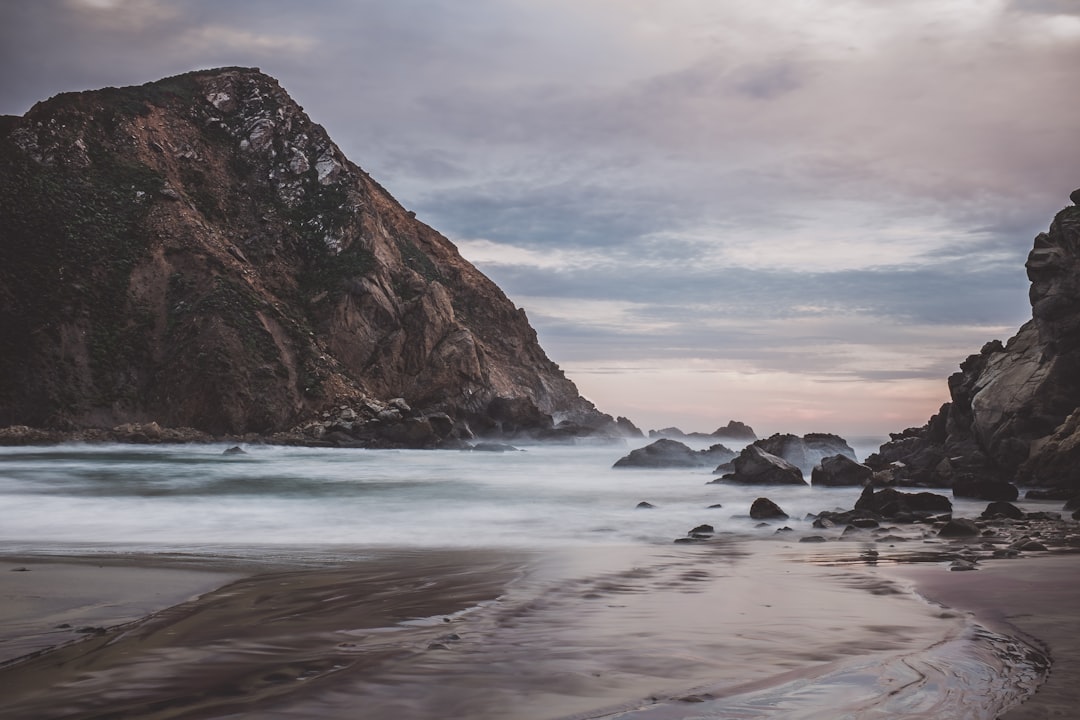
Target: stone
{"x":754,"y":466}
{"x":1002,"y":509}
{"x":840,"y":471}
{"x":982,"y":488}
{"x":667,"y":453}
{"x":959,"y":528}
{"x":807,"y":451}
{"x":235,"y":450}
{"x":766,"y":509}
{"x":895,"y":504}
{"x":644,"y":505}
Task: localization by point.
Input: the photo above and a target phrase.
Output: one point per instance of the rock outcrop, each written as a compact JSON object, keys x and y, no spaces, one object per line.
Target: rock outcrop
{"x":1012,"y":415}
{"x":666,"y":453}
{"x":754,"y":466}
{"x":734,"y":431}
{"x":840,"y":471}
{"x":807,"y":451}
{"x":197,"y":252}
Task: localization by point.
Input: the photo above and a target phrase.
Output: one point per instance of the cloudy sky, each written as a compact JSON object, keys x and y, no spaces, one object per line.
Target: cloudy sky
{"x":802,"y":214}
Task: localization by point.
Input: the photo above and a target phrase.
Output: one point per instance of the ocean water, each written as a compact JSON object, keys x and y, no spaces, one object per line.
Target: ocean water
{"x":607,"y":616}
{"x":194,"y":498}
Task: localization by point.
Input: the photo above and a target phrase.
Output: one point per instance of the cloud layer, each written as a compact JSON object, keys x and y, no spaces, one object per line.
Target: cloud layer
{"x":754,"y":212}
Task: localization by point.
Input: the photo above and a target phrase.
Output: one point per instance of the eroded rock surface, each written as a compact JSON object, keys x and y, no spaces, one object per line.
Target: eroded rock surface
{"x":1012,"y":415}
{"x":197,"y":252}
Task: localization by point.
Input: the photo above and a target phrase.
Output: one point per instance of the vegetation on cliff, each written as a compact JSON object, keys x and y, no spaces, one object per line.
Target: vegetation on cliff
{"x":197,"y":252}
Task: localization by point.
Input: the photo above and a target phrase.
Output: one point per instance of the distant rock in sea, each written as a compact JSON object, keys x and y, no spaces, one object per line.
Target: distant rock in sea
{"x":734,"y":431}
{"x":1014,"y":409}
{"x":807,"y":451}
{"x":665,"y":453}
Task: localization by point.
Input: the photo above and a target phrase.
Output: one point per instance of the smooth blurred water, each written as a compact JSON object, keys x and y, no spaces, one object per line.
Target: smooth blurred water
{"x":193,"y":498}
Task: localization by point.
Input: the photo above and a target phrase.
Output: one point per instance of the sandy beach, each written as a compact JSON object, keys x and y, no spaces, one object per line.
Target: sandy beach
{"x":724,"y":630}
{"x":1034,"y":597}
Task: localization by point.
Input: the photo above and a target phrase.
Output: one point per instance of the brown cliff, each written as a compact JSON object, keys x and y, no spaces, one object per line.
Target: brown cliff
{"x":1013,"y":414}
{"x":197,"y":252}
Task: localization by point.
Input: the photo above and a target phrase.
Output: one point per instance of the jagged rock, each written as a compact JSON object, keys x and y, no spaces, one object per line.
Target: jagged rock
{"x":959,"y":527}
{"x":197,"y":250}
{"x":807,"y":451}
{"x":902,"y":506}
{"x":840,"y":471}
{"x":1013,"y":408}
{"x":766,"y":509}
{"x":666,"y":453}
{"x":754,"y":466}
{"x":628,"y":428}
{"x":736,"y":430}
{"x":1002,"y":509}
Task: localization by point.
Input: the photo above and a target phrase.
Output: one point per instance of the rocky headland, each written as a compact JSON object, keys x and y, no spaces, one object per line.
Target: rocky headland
{"x":196,"y":257}
{"x":1013,"y":417}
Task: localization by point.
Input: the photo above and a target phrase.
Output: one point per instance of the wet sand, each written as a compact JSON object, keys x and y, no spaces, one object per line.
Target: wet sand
{"x":728,"y":629}
{"x":1033,"y":597}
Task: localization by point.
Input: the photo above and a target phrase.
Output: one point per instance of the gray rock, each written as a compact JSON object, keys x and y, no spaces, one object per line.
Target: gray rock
{"x":840,"y":471}
{"x":807,"y":451}
{"x":959,"y":528}
{"x":667,"y":453}
{"x":766,"y":509}
{"x":754,"y":466}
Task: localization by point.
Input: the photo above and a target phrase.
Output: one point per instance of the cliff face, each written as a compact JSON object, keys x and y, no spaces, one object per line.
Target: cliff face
{"x":197,"y":252}
{"x":1013,"y":413}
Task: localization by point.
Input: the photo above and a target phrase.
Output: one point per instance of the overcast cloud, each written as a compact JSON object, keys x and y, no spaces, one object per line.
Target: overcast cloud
{"x":803,"y":214}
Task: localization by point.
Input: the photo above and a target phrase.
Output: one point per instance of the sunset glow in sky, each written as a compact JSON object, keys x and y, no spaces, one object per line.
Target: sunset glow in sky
{"x":802,"y":214}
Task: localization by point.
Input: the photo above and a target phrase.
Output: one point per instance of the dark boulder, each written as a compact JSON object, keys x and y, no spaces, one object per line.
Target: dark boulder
{"x":896,"y":505}
{"x":984,"y":488}
{"x":1002,"y":509}
{"x":766,"y":509}
{"x":644,"y":505}
{"x":235,"y":450}
{"x":959,"y":527}
{"x":840,"y":471}
{"x":754,"y":466}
